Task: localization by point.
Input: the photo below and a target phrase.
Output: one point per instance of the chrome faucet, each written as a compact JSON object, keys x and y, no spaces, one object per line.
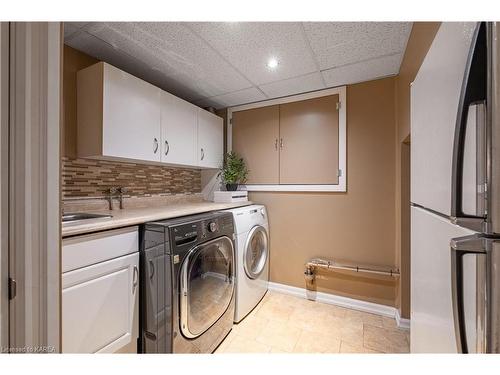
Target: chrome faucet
{"x":121,"y":190}
{"x":114,"y":192}
{"x":111,"y":194}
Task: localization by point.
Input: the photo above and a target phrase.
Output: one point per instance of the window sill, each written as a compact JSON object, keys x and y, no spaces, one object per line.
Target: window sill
{"x":341,"y":188}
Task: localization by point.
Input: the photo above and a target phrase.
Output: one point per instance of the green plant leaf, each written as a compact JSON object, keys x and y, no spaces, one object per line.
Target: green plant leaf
{"x":234,"y":170}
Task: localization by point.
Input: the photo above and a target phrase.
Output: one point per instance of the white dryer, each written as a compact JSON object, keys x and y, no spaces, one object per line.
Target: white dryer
{"x":252,"y":257}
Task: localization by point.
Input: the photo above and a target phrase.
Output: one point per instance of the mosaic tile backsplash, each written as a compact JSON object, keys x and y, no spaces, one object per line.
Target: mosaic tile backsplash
{"x":92,"y":178}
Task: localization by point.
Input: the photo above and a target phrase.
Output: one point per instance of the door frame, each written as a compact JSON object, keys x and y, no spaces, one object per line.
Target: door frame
{"x":34,"y":186}
{"x":4,"y":186}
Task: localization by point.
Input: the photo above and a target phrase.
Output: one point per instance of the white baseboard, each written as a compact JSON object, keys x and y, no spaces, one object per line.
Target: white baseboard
{"x":402,"y":322}
{"x":350,"y":303}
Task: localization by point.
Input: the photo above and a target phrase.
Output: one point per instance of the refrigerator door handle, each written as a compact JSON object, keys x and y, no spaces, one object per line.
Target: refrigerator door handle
{"x":475,"y":244}
{"x":474,"y":91}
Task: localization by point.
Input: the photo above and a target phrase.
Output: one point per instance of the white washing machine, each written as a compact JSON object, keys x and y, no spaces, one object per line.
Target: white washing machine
{"x":252,"y":257}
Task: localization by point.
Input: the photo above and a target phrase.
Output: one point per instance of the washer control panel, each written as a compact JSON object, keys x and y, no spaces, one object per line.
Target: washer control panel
{"x":213,"y":226}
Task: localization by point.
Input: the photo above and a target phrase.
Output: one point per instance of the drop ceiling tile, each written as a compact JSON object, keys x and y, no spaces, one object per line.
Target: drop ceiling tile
{"x":71,"y":28}
{"x":78,"y":25}
{"x":97,"y":48}
{"x":234,"y":98}
{"x":341,"y":43}
{"x":363,"y":71}
{"x":175,"y":51}
{"x":249,"y":45}
{"x":295,"y":85}
{"x":208,"y":102}
{"x":103,"y":51}
{"x":207,"y":63}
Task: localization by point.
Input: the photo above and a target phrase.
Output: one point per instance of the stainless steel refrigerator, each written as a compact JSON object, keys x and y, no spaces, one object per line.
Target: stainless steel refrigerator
{"x":455,"y":193}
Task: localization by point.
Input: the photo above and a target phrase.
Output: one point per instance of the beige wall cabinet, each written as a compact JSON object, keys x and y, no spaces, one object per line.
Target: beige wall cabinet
{"x":293,"y":144}
{"x":256,"y":139}
{"x":120,"y":116}
{"x":309,"y":141}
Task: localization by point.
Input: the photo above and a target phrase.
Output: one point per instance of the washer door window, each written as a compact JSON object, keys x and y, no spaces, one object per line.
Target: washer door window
{"x":256,"y":252}
{"x":207,"y":285}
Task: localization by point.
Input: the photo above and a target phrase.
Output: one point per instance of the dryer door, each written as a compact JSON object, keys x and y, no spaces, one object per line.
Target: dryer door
{"x":256,"y":251}
{"x":207,"y":285}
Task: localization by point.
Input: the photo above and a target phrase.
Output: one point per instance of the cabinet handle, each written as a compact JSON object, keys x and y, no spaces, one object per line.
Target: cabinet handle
{"x":155,"y":145}
{"x":276,"y":144}
{"x":167,"y":148}
{"x":202,"y":154}
{"x":135,"y":279}
{"x":281,"y":143}
{"x":152,"y":268}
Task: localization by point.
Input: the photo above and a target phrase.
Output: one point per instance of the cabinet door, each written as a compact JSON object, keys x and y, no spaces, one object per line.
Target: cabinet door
{"x":100,"y":306}
{"x":178,"y":130}
{"x":309,"y":141}
{"x":255,"y":134}
{"x":210,"y":139}
{"x":131,"y":117}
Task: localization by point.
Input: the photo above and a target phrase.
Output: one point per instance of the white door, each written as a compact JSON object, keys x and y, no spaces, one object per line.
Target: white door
{"x":210,"y":139}
{"x":435,"y":95}
{"x":131,"y":116}
{"x":100,"y":306}
{"x":432,"y":325}
{"x":179,"y":122}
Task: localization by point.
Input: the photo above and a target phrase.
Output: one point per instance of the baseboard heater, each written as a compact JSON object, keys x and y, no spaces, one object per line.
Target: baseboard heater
{"x":332,"y":265}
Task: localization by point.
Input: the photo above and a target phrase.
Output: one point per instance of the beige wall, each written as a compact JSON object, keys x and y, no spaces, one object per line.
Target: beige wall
{"x":358,"y":225}
{"x":421,"y":37}
{"x":73,"y":61}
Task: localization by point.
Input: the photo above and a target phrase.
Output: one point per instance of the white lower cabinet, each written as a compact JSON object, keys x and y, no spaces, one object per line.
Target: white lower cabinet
{"x":100,"y":304}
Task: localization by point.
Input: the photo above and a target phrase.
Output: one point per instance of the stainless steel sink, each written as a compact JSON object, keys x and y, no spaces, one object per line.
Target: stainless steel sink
{"x":80,"y":216}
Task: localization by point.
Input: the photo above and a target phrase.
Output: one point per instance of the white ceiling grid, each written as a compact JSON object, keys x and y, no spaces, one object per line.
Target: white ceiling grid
{"x":223,"y":64}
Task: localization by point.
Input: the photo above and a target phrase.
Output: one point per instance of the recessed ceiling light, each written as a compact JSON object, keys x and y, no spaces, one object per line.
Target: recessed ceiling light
{"x":272,"y":63}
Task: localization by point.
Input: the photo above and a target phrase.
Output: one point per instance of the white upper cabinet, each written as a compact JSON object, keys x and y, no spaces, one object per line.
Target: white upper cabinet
{"x":179,"y":120}
{"x":118,"y":115}
{"x":210,"y":139}
{"x":123,"y":117}
{"x":131,"y":115}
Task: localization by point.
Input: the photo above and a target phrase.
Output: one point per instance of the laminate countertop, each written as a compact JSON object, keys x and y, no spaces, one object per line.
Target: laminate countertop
{"x":134,"y":216}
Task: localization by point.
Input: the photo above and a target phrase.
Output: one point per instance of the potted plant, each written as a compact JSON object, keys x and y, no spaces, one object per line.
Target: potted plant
{"x":234,"y":171}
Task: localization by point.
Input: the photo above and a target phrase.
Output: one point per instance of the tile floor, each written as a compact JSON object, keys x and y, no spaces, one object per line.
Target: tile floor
{"x":286,"y":324}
